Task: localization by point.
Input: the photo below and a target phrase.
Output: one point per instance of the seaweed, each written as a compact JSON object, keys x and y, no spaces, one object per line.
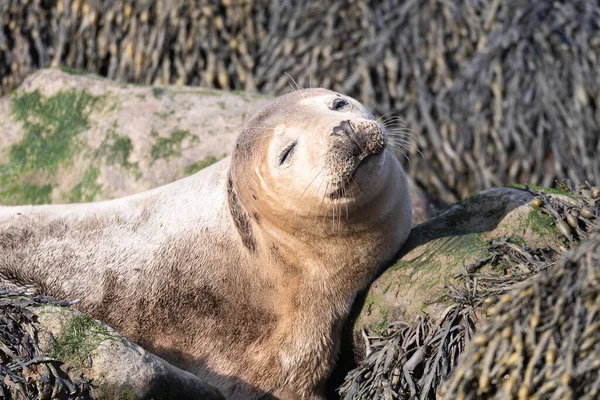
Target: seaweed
{"x":25,"y":371}
{"x":501,"y":90}
{"x":412,"y":360}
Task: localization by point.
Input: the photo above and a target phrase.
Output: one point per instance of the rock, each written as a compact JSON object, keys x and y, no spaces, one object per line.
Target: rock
{"x":88,"y":351}
{"x":74,"y":138}
{"x":439,"y":248}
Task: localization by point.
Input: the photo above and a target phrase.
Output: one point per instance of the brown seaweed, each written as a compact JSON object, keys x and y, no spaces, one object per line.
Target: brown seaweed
{"x":502,"y":91}
{"x":25,"y":371}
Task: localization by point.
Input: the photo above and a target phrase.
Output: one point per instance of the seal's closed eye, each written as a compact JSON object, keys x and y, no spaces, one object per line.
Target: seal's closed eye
{"x":287,"y":152}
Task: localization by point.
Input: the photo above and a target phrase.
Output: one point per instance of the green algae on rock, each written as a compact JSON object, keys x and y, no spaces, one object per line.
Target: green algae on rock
{"x":167,"y":147}
{"x":438,"y":249}
{"x":73,"y":138}
{"x":197,"y":166}
{"x":52,"y":128}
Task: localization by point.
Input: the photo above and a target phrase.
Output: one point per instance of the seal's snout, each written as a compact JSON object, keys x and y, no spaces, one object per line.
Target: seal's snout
{"x":355,"y":143}
{"x":376,"y":141}
{"x":366,"y":135}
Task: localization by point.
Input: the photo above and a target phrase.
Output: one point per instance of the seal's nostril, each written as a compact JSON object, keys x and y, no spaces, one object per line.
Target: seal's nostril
{"x":344,"y":128}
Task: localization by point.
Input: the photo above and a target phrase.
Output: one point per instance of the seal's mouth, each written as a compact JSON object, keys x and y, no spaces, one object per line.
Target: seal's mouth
{"x":342,"y":186}
{"x":358,"y":144}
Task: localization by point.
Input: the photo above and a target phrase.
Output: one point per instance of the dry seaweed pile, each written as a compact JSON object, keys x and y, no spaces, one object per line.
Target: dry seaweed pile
{"x":25,"y":372}
{"x":502,"y":91}
{"x":412,"y":360}
{"x":542,"y":340}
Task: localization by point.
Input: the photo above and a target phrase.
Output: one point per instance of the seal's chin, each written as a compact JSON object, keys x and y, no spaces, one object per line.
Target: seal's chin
{"x":343,"y":189}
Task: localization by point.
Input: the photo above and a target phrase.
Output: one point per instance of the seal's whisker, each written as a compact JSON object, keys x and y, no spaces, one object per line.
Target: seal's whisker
{"x":298,"y":88}
{"x":401,"y":151}
{"x":403,"y":132}
{"x":323,"y":200}
{"x":311,"y":182}
{"x":397,"y":122}
{"x":403,"y":135}
{"x":400,"y":128}
{"x":397,"y":127}
{"x":402,"y":145}
{"x":347,"y":186}
{"x":382,"y":117}
{"x":395,"y":118}
{"x":289,"y":76}
{"x":356,"y":184}
{"x":402,"y":139}
{"x":319,"y":189}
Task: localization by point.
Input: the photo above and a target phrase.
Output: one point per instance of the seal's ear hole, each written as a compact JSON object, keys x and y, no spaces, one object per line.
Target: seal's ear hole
{"x":339,"y":104}
{"x":285,"y":155}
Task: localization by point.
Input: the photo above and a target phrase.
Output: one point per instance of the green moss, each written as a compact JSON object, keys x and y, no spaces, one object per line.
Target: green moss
{"x":474,"y":198}
{"x":158,"y":92}
{"x":25,"y":193}
{"x":197,"y":166}
{"x":221,"y":105}
{"x":81,"y":336}
{"x":166,"y":114}
{"x":123,"y":393}
{"x":514,"y":239}
{"x":87,"y":189}
{"x":51,"y":128}
{"x":247,"y":96}
{"x":540,"y":189}
{"x":71,"y":71}
{"x":205,"y":92}
{"x":457,"y":251}
{"x":541,"y":224}
{"x":51,"y":139}
{"x":115,"y":149}
{"x":380,"y":327}
{"x":167,"y":147}
{"x":126,"y":394}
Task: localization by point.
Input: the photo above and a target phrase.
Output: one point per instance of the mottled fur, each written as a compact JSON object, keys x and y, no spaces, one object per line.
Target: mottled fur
{"x":238,"y":273}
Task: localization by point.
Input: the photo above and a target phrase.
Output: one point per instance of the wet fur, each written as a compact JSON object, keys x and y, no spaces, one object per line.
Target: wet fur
{"x":190,"y":272}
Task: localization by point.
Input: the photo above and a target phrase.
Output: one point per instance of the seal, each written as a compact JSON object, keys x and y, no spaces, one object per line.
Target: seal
{"x":244,"y":272}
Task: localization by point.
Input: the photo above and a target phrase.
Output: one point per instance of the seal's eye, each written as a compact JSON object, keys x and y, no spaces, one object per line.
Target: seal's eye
{"x":339,"y":104}
{"x":285,"y":155}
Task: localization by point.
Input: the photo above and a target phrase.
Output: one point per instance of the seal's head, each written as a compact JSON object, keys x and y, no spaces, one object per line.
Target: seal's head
{"x":312,"y":152}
